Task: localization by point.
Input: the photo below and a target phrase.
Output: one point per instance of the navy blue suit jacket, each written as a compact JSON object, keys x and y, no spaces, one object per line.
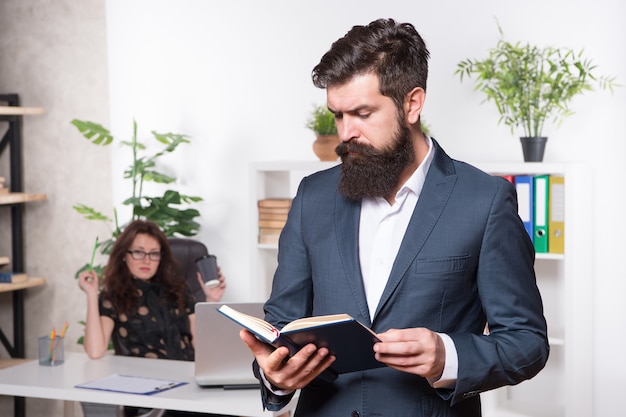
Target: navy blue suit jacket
{"x":465,"y":260}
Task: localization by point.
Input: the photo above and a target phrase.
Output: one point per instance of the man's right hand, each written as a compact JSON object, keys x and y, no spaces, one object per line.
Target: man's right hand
{"x":284,"y":372}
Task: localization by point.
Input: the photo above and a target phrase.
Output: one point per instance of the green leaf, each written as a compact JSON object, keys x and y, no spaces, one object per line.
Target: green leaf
{"x":158,"y":177}
{"x":191,"y":199}
{"x":99,"y":270}
{"x":321,"y":121}
{"x":170,"y":138}
{"x":530,"y":85}
{"x":170,"y":211}
{"x":90,"y":213}
{"x":139,"y":145}
{"x":97,"y":134}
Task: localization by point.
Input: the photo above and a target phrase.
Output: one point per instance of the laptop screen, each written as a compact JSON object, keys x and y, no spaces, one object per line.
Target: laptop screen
{"x":222,"y":359}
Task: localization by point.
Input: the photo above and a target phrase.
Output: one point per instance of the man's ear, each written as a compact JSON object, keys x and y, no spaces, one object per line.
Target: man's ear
{"x":413,"y":105}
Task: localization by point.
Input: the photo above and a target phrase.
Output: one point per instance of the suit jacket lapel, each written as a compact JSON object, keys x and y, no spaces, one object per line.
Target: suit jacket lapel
{"x":435,"y":193}
{"x":347,"y":215}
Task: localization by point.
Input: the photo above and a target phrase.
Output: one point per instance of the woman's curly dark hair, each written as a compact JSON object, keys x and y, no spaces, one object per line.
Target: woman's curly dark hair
{"x":118,"y":284}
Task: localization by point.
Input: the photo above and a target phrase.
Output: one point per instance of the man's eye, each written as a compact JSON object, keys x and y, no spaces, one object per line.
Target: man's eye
{"x":364,"y":115}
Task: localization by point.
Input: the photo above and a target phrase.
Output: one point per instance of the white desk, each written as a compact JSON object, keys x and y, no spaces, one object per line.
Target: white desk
{"x":58,"y":382}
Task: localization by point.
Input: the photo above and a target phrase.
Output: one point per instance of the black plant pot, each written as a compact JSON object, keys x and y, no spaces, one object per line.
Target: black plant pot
{"x":533,"y":148}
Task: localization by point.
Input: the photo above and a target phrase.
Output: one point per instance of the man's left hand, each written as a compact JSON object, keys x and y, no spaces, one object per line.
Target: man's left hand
{"x":417,"y":351}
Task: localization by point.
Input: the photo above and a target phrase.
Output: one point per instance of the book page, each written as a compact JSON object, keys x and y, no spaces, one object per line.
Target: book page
{"x":314,"y":321}
{"x":254,"y":324}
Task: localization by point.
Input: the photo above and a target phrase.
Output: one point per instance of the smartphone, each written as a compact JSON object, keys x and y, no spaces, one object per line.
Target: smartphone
{"x":207,"y":265}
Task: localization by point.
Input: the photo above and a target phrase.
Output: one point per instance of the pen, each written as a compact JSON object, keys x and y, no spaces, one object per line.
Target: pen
{"x":165,"y":386}
{"x":93,"y":254}
{"x":53,"y":335}
{"x":65,"y":326}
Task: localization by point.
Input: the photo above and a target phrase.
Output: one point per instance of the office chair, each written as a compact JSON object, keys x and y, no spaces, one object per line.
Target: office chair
{"x":185,"y":251}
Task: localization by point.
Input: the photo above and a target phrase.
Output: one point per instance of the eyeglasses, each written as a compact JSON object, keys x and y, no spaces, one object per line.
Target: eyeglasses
{"x":138,"y":255}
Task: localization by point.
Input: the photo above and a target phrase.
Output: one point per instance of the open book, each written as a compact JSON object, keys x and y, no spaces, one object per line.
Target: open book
{"x":348,"y":340}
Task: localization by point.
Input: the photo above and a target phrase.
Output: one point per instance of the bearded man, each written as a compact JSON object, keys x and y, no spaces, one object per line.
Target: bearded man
{"x":424,"y":249}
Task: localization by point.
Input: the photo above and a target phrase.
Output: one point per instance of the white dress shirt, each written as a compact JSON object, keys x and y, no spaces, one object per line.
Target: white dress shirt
{"x":381,"y":230}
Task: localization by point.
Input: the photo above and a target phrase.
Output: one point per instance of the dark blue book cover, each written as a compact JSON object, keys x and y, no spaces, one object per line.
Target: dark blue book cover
{"x":351,"y":342}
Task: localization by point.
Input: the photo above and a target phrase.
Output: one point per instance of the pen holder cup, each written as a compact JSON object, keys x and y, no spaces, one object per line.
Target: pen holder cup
{"x":51,"y":351}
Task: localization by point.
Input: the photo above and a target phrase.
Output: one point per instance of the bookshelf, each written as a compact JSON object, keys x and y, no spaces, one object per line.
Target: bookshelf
{"x":564,"y":387}
{"x":14,"y":200}
{"x":273,"y":180}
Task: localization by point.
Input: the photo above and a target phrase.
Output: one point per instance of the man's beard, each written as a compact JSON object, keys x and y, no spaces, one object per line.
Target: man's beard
{"x":372,"y":172}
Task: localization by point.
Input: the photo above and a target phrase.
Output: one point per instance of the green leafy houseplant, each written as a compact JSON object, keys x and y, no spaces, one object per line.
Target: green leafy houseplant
{"x":321,"y":121}
{"x":167,"y":210}
{"x":531,"y":85}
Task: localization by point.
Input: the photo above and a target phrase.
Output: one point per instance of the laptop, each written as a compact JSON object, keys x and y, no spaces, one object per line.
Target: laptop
{"x":222,"y":359}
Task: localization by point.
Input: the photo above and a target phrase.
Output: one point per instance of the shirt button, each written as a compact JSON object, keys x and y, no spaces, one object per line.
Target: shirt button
{"x":355,"y":414}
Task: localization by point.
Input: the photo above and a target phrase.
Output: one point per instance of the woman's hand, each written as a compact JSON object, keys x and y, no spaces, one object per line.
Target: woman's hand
{"x":88,"y":282}
{"x":214,"y":293}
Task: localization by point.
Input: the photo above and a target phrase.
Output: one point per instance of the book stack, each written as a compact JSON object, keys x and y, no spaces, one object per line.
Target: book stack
{"x":541,"y":208}
{"x":7,"y":277}
{"x":3,"y":188}
{"x":272,"y":218}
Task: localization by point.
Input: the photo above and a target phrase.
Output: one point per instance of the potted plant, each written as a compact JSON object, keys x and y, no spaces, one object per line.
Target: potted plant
{"x":165,"y":210}
{"x":531,"y":85}
{"x":322,"y":122}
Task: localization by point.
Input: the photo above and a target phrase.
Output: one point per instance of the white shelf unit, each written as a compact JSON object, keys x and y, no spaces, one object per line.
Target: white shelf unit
{"x":273,"y":179}
{"x":564,"y":387}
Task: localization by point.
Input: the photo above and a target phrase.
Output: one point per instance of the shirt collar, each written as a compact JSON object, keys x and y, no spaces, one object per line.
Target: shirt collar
{"x":415,"y":183}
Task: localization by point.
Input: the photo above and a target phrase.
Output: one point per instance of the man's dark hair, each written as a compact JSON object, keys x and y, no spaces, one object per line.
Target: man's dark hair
{"x":395,"y":52}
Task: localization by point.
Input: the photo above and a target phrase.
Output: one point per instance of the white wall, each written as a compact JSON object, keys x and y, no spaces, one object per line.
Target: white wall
{"x":215,"y":70}
{"x":236,"y":77}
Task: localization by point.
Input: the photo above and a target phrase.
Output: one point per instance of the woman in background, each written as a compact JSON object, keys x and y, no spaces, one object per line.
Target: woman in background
{"x":143,"y":305}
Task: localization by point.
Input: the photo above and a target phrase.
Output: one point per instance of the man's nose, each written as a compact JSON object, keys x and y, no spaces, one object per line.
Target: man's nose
{"x":346,"y":129}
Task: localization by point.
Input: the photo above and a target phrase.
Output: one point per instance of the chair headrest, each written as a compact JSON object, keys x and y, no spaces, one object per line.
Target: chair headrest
{"x":186,"y":251}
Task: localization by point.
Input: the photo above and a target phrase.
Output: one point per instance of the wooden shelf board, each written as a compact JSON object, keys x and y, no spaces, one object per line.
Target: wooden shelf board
{"x":7,"y":363}
{"x":20,"y":111}
{"x":15,"y":198}
{"x":32,"y":282}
